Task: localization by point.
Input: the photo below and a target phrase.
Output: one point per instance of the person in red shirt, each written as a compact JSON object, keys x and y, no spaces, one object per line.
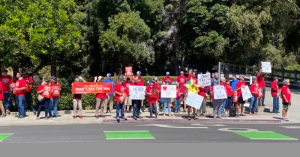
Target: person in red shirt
{"x":179,"y":97}
{"x":182,"y":80}
{"x":45,"y":91}
{"x":260,"y":76}
{"x":274,"y":93}
{"x":20,"y":89}
{"x":152,"y":97}
{"x":254,"y":92}
{"x":194,"y":77}
{"x":202,"y":92}
{"x":128,"y":101}
{"x":55,"y":95}
{"x":3,"y":114}
{"x":240,"y":104}
{"x":286,"y":98}
{"x":190,"y":75}
{"x":6,"y":81}
{"x":77,"y":101}
{"x":167,"y":78}
{"x":120,"y":98}
{"x":100,"y":99}
{"x":157,"y":86}
{"x":28,"y":95}
{"x":229,"y":93}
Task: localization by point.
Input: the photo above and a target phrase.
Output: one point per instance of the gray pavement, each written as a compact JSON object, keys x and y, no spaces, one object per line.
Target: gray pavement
{"x":167,"y":133}
{"x":65,"y":118}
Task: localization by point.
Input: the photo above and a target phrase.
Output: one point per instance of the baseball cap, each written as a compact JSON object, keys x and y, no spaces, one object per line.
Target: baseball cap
{"x":155,"y":78}
{"x":151,"y":81}
{"x":139,"y":73}
{"x":108,"y":74}
{"x":167,"y":73}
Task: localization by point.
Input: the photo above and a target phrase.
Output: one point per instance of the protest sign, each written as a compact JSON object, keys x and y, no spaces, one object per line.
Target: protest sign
{"x":128,"y":71}
{"x":91,"y":87}
{"x":204,"y":80}
{"x":194,"y":100}
{"x":137,"y":92}
{"x":168,"y":91}
{"x":219,"y":92}
{"x":266,"y":67}
{"x":246,"y":94}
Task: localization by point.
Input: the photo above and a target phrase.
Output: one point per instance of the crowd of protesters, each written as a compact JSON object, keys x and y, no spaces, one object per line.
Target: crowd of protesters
{"x":49,"y":93}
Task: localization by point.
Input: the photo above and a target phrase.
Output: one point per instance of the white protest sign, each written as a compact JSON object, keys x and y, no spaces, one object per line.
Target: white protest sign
{"x":220,"y":92}
{"x":194,"y":100}
{"x":266,"y":67}
{"x":168,"y":91}
{"x":137,"y":92}
{"x":204,"y":79}
{"x":246,"y":94}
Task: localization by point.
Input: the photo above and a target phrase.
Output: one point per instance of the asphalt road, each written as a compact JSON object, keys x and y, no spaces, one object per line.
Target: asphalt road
{"x":162,"y":133}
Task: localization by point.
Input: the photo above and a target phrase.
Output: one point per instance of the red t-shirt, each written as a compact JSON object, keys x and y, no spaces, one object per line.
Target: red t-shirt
{"x":261,"y":80}
{"x":141,"y":81}
{"x":29,"y":82}
{"x":1,"y":91}
{"x":101,"y":95}
{"x":228,"y":90}
{"x":41,"y":87}
{"x":274,"y":85}
{"x":240,"y":84}
{"x":202,"y":91}
{"x":190,"y":75}
{"x":195,"y":80}
{"x":150,"y":99}
{"x":285,"y":90}
{"x":120,"y":89}
{"x":179,"y":92}
{"x":20,"y":84}
{"x":254,"y":88}
{"x":167,"y":78}
{"x":127,"y":84}
{"x":157,"y":86}
{"x":181,"y":79}
{"x":6,"y":81}
{"x":56,"y":87}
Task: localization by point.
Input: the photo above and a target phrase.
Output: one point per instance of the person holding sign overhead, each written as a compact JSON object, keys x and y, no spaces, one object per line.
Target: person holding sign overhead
{"x":240,"y":104}
{"x":100,"y":99}
{"x":260,"y":76}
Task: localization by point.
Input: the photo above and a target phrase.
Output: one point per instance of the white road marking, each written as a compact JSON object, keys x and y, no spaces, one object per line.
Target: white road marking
{"x":129,"y":131}
{"x":167,"y":126}
{"x":130,"y":138}
{"x":238,"y":130}
{"x":209,"y":124}
{"x":291,"y":127}
{"x":273,"y":139}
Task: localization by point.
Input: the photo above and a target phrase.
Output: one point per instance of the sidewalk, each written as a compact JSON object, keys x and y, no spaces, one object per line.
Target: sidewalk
{"x":65,"y":117}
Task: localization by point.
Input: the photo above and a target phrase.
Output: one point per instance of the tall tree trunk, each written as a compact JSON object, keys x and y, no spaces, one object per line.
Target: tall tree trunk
{"x":53,"y":68}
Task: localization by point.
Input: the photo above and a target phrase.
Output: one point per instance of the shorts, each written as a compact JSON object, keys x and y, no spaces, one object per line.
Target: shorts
{"x":240,"y":100}
{"x":286,"y":106}
{"x":128,"y":101}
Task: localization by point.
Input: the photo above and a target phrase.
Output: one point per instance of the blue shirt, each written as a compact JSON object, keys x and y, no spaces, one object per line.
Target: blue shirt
{"x":107,"y":80}
{"x":233,"y":83}
{"x":214,"y":80}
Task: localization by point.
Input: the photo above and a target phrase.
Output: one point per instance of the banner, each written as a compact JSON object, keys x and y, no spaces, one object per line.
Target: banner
{"x":219,"y":92}
{"x":128,"y":71}
{"x":137,"y":92}
{"x":194,"y":100}
{"x":168,"y":91}
{"x":246,"y":94}
{"x":204,"y":80}
{"x":266,"y":67}
{"x":91,"y":87}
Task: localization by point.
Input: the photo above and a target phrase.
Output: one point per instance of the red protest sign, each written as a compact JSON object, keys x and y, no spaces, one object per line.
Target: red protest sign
{"x":128,"y":71}
{"x":91,"y":87}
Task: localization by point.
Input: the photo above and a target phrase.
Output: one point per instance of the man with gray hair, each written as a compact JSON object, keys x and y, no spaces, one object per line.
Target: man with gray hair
{"x":286,"y":98}
{"x":215,"y":79}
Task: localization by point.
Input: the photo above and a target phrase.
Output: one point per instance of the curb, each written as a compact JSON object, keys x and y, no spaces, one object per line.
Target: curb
{"x":229,"y":121}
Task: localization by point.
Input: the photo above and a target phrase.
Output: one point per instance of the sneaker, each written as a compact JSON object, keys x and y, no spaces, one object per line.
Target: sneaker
{"x":134,"y":118}
{"x":74,"y":117}
{"x":3,"y":115}
{"x":37,"y":118}
{"x":80,"y":117}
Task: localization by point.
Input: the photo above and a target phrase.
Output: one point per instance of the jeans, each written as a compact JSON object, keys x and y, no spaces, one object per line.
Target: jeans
{"x":252,"y":106}
{"x":6,"y":101}
{"x":55,"y":106}
{"x":45,"y":103}
{"x":261,"y":101}
{"x":50,"y":106}
{"x":223,"y":106}
{"x":167,"y":103}
{"x":217,"y":105}
{"x":177,"y":104}
{"x":120,"y":107}
{"x":275,"y":104}
{"x":153,"y":109}
{"x":28,"y":98}
{"x":21,"y":106}
{"x":136,"y":107}
{"x":229,"y":103}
